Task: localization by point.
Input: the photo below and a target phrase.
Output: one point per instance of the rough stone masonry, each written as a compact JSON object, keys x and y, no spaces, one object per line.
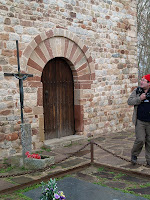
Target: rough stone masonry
{"x":99,"y":40}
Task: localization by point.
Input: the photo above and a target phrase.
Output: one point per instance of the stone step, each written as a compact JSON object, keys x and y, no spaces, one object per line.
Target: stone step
{"x":64,"y":141}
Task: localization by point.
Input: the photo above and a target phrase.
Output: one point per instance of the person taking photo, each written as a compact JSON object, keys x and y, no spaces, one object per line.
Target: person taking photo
{"x":140,"y":99}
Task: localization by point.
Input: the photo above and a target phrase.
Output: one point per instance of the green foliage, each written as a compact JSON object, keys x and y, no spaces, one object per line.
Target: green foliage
{"x":53,"y":167}
{"x":39,"y":152}
{"x":119,"y":175}
{"x":14,"y":196}
{"x":100,"y":183}
{"x":145,"y":185}
{"x":23,"y":197}
{"x":68,"y":145}
{"x":146,"y":196}
{"x":101,"y":169}
{"x":28,"y":188}
{"x":5,"y":161}
{"x":46,"y":149}
{"x":8,"y":169}
{"x":111,"y":172}
{"x":23,"y":168}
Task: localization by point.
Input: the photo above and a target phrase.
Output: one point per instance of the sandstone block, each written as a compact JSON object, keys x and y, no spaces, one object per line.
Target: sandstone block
{"x":38,"y":110}
{"x":2,"y":137}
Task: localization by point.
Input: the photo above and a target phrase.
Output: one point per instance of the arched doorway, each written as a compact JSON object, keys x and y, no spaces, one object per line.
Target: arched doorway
{"x":59,"y":43}
{"x":58,"y":99}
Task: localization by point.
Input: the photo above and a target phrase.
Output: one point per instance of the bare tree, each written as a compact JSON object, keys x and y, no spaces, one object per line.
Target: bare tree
{"x":143,"y":29}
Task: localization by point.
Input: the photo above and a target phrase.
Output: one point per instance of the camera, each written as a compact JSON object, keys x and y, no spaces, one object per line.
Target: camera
{"x":140,"y":90}
{"x":148,"y":95}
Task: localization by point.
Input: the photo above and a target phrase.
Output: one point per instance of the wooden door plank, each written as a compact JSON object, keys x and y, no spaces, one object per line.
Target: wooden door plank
{"x":59,"y":105}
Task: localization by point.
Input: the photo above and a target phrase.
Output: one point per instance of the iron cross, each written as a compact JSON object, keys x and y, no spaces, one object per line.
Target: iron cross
{"x":21,"y":78}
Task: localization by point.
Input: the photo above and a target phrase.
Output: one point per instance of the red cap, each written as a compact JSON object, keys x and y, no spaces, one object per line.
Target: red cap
{"x":147,"y":77}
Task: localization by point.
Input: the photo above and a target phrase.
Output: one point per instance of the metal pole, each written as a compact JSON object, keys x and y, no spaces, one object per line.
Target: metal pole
{"x":20,"y":83}
{"x":92,"y":152}
{"x":18,"y":56}
{"x":21,"y":110}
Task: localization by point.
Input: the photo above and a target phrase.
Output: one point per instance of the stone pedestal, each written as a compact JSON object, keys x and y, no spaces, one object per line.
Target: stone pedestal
{"x":26,"y":138}
{"x":16,"y":161}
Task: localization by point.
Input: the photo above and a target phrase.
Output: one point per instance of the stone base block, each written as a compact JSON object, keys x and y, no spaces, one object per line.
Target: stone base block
{"x":17,"y":161}
{"x":32,"y":163}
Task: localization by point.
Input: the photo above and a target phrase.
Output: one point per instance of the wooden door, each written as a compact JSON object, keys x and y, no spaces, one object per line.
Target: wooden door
{"x":58,"y":99}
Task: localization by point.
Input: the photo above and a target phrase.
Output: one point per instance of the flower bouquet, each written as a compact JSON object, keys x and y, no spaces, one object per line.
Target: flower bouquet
{"x":50,"y":191}
{"x":36,"y":156}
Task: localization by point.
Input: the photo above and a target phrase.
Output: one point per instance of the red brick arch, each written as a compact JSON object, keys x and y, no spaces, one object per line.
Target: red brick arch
{"x":61,"y":43}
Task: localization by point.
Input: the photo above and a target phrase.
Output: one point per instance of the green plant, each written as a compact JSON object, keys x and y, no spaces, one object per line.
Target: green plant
{"x":111,"y":172}
{"x":46,"y":149}
{"x":39,"y":152}
{"x":28,"y":188}
{"x":119,"y":175}
{"x":24,"y":197}
{"x":53,"y":167}
{"x":68,"y":145}
{"x":23,"y":168}
{"x":6,"y":170}
{"x":5,"y":161}
{"x":146,"y":196}
{"x":145,"y":185}
{"x":101,"y":169}
{"x":100,"y":183}
{"x":14,"y":196}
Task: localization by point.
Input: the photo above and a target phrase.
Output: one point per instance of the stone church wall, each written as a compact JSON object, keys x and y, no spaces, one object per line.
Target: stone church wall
{"x":98,"y":38}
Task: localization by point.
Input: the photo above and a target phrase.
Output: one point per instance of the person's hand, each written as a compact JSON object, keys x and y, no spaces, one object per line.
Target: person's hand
{"x":143,"y":96}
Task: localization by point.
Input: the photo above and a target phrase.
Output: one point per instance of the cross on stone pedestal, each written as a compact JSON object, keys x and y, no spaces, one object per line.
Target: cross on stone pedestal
{"x":25,"y":128}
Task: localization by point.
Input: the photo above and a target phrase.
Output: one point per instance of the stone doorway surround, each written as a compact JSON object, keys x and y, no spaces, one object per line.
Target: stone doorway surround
{"x":59,"y":43}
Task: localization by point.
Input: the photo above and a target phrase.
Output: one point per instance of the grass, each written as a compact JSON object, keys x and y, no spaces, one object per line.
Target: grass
{"x":46,"y":149}
{"x":39,"y":152}
{"x":119,"y":175}
{"x":14,"y":196}
{"x":111,"y":172}
{"x":101,"y":169}
{"x":133,"y":185}
{"x":53,"y":167}
{"x":5,"y":161}
{"x":43,"y":149}
{"x":126,"y":190}
{"x":8,"y":169}
{"x":145,"y":185}
{"x":18,"y":195}
{"x":68,"y":145}
{"x":100,"y":183}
